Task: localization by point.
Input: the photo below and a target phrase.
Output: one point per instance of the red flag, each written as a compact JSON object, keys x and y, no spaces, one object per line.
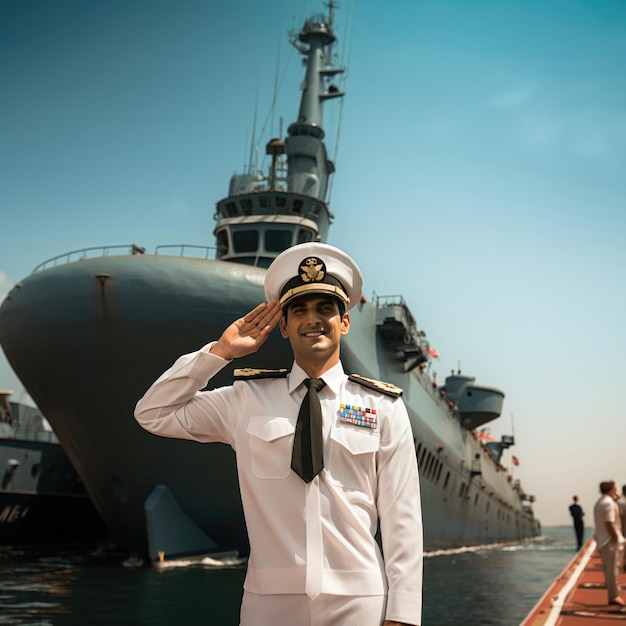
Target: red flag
{"x":515,"y":460}
{"x":433,"y":353}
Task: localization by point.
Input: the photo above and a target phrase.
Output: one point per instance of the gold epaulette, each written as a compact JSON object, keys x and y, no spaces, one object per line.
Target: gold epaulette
{"x":377,"y":385}
{"x":251,"y":373}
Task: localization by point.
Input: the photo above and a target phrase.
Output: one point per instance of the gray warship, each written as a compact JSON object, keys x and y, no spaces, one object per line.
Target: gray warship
{"x":88,"y":331}
{"x":42,"y":499}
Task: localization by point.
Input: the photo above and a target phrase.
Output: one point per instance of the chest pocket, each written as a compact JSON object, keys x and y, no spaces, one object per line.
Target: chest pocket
{"x":352,"y":456}
{"x":271,"y":442}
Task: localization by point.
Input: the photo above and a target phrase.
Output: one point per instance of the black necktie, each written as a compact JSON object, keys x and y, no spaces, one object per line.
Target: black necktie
{"x":307,"y":459}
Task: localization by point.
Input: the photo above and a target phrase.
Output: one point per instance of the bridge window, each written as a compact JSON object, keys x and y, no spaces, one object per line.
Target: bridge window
{"x":264,"y":201}
{"x":231,"y":209}
{"x":222,"y":243}
{"x":304,"y":235}
{"x":247,"y":260}
{"x":281,"y":202}
{"x":297,"y":206}
{"x":246,"y":241}
{"x":246,"y":205}
{"x":263,"y":261}
{"x":277,"y":240}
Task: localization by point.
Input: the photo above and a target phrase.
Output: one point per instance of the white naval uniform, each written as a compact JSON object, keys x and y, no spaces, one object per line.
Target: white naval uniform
{"x":315,"y":538}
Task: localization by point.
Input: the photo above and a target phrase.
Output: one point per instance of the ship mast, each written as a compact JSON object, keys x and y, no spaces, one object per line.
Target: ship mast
{"x":309,"y":168}
{"x":261,"y":217}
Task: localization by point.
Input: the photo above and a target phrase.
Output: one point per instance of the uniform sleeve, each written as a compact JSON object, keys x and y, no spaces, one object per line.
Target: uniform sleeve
{"x":400,"y":515}
{"x":175,"y":407}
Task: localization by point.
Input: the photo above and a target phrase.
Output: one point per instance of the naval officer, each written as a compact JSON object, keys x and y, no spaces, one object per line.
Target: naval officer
{"x":324,"y":459}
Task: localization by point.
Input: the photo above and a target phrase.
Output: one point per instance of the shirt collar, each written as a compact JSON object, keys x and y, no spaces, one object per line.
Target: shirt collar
{"x":332,"y":377}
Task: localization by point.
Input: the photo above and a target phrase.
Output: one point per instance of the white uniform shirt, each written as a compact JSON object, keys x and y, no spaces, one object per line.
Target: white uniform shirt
{"x":606,"y":510}
{"x":317,"y":537}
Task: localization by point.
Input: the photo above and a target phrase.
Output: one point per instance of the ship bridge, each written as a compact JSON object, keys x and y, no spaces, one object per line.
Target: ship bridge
{"x":255,"y":227}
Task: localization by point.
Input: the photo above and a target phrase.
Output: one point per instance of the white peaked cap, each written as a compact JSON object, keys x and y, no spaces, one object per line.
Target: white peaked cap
{"x":313,"y":268}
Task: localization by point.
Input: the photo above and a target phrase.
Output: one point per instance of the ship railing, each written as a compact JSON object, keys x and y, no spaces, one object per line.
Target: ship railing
{"x":397,"y":301}
{"x":35,"y":434}
{"x":187,"y":250}
{"x":88,"y":253}
{"x":183,"y":250}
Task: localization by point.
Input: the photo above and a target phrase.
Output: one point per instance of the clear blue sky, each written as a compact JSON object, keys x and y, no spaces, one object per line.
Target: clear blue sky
{"x":480,"y":173}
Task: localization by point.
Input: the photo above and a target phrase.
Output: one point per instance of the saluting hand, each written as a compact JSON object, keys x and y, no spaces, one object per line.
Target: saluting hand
{"x":248,"y":333}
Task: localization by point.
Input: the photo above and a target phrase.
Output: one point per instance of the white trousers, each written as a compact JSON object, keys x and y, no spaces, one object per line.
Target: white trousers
{"x":612,"y":559}
{"x":300,"y":610}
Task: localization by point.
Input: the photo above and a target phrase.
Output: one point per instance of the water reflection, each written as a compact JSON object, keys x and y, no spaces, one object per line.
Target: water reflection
{"x":491,"y":585}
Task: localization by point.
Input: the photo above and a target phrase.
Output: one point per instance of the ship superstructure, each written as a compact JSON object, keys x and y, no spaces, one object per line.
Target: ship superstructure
{"x":261,"y":217}
{"x":88,"y":332}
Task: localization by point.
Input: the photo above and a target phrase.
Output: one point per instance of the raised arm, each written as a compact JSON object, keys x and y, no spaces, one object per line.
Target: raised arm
{"x":170,"y":406}
{"x":247,"y":334}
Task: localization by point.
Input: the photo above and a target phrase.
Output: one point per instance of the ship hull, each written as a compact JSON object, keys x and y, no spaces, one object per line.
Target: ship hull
{"x":87,"y":339}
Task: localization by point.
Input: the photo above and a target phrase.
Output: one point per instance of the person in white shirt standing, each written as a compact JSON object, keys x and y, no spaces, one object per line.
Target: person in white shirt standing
{"x":316,"y":484}
{"x":609,"y":538}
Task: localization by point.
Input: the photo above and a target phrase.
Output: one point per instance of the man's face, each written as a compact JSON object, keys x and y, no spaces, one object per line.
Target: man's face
{"x":314,"y":326}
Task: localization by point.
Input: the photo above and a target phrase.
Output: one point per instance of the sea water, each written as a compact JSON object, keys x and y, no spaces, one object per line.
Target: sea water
{"x":49,"y":586}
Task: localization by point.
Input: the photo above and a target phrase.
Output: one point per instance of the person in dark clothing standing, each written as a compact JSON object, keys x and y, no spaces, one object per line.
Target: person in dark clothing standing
{"x":577,"y":514}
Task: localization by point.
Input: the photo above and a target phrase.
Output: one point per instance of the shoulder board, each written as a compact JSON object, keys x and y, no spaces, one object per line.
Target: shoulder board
{"x":377,"y":385}
{"x":251,"y":373}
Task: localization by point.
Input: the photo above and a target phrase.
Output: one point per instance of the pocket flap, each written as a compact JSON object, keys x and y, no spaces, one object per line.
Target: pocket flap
{"x":355,"y":439}
{"x":270,"y":428}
